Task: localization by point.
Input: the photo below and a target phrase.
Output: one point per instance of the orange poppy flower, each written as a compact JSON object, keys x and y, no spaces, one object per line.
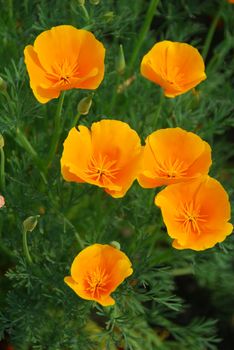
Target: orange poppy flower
{"x":107,"y":156}
{"x":97,"y":271}
{"x":196,"y":213}
{"x":64,"y":58}
{"x":176,"y":67}
{"x":173,"y":155}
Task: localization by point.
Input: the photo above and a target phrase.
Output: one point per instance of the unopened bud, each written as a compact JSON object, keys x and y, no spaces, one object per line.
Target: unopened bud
{"x":109,"y":16}
{"x":115,"y":245}
{"x":1,"y":141}
{"x":81,"y":2}
{"x":30,"y":223}
{"x":94,"y":2}
{"x":3,"y":85}
{"x":120,"y":62}
{"x":84,"y":105}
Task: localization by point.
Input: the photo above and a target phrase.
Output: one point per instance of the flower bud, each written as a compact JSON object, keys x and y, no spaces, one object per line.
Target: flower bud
{"x":3,"y":85}
{"x":81,"y":2}
{"x":30,"y":223}
{"x":84,"y":105}
{"x":1,"y":141}
{"x":115,"y":244}
{"x":120,"y":62}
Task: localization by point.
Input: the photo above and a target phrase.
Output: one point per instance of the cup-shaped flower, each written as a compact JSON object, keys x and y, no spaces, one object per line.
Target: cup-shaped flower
{"x":64,"y":58}
{"x":173,"y":155}
{"x":195,"y":213}
{"x":108,"y":156}
{"x":176,"y":67}
{"x":97,"y":271}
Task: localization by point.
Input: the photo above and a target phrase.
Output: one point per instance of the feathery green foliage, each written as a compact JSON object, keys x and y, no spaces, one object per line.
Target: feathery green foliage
{"x":37,"y":310}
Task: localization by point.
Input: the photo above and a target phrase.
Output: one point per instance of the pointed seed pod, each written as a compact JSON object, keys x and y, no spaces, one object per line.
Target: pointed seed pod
{"x":3,"y":85}
{"x":2,"y":143}
{"x":30,"y":223}
{"x":120,"y":62}
{"x":85,"y":104}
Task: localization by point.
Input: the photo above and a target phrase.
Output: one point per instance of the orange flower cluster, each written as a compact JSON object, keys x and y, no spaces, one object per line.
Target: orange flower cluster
{"x":195,"y":207}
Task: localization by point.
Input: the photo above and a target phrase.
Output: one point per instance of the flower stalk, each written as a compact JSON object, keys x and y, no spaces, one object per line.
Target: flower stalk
{"x":29,"y":225}
{"x":143,"y":32}
{"x":210,"y":34}
{"x":57,"y":130}
{"x":25,"y":247}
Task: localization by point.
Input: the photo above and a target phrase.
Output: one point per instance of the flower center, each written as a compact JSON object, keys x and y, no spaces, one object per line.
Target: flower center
{"x":171,"y":168}
{"x":102,"y":169}
{"x":96,"y":282}
{"x":63,"y":72}
{"x":191,"y":218}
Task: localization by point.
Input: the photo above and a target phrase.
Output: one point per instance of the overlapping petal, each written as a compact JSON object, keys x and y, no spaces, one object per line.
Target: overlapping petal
{"x":173,"y":155}
{"x":176,"y":67}
{"x":64,"y":58}
{"x":97,"y":271}
{"x":108,"y":156}
{"x":196,"y":213}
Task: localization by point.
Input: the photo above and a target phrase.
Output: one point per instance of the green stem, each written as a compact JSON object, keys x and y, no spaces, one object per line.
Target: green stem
{"x":25,"y":247}
{"x":76,"y":119}
{"x":22,"y":140}
{"x":158,"y":111}
{"x":10,"y":9}
{"x":189,"y":270}
{"x":79,"y":240}
{"x":85,"y":12}
{"x":2,"y":171}
{"x":210,"y":34}
{"x":144,"y":30}
{"x":57,"y":130}
{"x":24,"y":143}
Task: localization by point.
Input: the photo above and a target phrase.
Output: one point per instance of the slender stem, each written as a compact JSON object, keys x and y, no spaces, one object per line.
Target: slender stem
{"x":24,"y":142}
{"x":2,"y":171}
{"x":57,"y":130}
{"x":144,"y":29}
{"x":158,"y":111}
{"x":210,"y":34}
{"x":85,"y":12}
{"x":76,"y":119}
{"x":10,"y":9}
{"x":114,"y":98}
{"x":79,"y":240}
{"x":25,"y":247}
{"x":189,"y":270}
